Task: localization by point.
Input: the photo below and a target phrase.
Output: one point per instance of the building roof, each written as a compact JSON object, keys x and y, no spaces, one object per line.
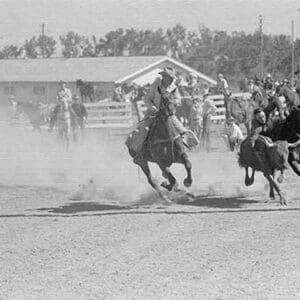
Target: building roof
{"x":160,"y":63}
{"x":95,"y":69}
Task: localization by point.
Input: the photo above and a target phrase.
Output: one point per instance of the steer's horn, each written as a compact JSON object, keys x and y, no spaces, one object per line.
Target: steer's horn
{"x":294,"y":145}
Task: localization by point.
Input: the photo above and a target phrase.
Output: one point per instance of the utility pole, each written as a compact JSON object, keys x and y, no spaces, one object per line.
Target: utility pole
{"x":43,"y":40}
{"x":293,"y":54}
{"x":261,"y":69}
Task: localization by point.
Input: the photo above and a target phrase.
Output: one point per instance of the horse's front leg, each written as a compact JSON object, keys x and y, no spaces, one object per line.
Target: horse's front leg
{"x":249,"y":180}
{"x":168,"y":175}
{"x":152,"y":181}
{"x":188,"y":166}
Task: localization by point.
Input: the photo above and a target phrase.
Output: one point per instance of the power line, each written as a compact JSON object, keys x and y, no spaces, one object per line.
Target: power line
{"x":43,"y":40}
{"x":261,"y":47}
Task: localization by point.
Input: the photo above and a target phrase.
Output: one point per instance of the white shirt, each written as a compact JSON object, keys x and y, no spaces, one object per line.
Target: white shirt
{"x":64,"y":94}
{"x":234,"y":132}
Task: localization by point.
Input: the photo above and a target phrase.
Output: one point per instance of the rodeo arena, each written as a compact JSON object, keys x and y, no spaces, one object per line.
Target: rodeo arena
{"x":139,"y":177}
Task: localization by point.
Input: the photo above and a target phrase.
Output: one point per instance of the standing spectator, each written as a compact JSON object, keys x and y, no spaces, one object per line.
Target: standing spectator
{"x":209,"y":109}
{"x":233,"y":134}
{"x":196,"y":116}
{"x":118,"y":94}
{"x":257,"y":88}
{"x":224,"y":89}
{"x":250,"y":88}
{"x":193,"y":84}
{"x":13,"y":110}
{"x":268,"y":83}
{"x":180,"y":81}
{"x":205,"y":89}
{"x":223,"y":85}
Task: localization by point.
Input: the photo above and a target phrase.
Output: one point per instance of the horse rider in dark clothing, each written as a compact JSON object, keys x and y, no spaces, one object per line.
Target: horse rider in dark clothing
{"x":258,"y":128}
{"x":80,"y":112}
{"x":258,"y":125}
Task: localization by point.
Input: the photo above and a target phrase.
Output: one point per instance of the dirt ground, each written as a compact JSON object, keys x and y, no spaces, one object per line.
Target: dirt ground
{"x":113,"y":239}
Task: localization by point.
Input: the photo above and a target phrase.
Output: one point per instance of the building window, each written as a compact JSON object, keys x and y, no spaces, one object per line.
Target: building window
{"x":39,"y":90}
{"x":9,"y":90}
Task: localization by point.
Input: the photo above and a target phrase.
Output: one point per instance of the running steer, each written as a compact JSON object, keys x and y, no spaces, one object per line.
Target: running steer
{"x":268,"y":158}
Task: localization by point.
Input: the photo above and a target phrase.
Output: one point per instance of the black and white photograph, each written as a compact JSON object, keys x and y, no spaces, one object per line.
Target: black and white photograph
{"x":150,"y":149}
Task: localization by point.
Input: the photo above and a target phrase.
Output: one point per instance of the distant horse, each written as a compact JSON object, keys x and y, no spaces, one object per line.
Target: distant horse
{"x":86,"y":90}
{"x":164,"y":146}
{"x":37,"y":113}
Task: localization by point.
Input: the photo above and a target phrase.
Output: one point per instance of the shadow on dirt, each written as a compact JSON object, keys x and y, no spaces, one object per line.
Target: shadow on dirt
{"x":198,"y":201}
{"x":218,"y":202}
{"x":79,"y":207}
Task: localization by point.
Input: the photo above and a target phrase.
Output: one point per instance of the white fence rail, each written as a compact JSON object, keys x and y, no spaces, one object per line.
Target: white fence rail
{"x":109,"y":115}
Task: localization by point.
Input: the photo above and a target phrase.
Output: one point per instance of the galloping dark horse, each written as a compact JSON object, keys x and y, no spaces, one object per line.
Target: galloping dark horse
{"x":86,"y":90}
{"x":164,"y":146}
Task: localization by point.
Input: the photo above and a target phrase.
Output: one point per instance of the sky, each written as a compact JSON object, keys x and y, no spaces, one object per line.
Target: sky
{"x":22,"y":19}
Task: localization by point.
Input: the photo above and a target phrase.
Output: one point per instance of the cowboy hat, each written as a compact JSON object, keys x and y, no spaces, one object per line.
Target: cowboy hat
{"x":62,"y":82}
{"x":230,"y":119}
{"x":168,"y":71}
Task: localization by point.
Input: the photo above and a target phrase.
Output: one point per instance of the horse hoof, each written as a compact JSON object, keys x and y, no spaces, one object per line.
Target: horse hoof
{"x":282,"y":201}
{"x":166,"y":200}
{"x":248,"y":182}
{"x":280,"y":179}
{"x":176,"y":188}
{"x":192,"y":196}
{"x":187,"y":182}
{"x":166,"y":185}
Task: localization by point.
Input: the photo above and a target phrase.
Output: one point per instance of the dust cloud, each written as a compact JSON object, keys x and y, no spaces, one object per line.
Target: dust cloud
{"x":99,"y":167}
{"x":38,"y":159}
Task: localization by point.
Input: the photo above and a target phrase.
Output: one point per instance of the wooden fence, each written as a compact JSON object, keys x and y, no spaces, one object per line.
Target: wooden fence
{"x":218,"y":100}
{"x":109,"y":115}
{"x":124,"y":115}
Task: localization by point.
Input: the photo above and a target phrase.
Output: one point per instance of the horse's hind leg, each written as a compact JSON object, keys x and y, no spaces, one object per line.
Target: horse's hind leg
{"x":273,"y":185}
{"x":168,"y":175}
{"x":188,"y":166}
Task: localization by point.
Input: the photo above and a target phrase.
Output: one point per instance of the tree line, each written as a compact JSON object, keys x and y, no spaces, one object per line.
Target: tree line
{"x":236,"y":55}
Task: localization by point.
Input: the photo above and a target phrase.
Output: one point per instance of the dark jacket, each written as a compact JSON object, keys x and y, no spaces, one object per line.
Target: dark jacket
{"x":256,"y":129}
{"x":80,"y":110}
